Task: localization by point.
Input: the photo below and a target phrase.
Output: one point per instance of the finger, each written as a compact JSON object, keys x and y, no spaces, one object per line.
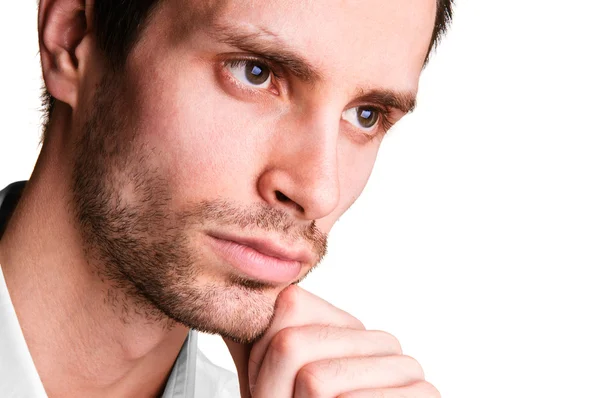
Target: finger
{"x":334,"y":377}
{"x":297,"y":307}
{"x":293,"y":348}
{"x":420,"y":389}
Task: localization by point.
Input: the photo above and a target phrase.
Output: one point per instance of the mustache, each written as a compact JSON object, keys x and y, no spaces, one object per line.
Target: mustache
{"x":257,"y":217}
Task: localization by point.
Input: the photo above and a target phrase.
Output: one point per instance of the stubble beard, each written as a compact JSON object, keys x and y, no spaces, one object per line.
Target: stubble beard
{"x":141,"y":248}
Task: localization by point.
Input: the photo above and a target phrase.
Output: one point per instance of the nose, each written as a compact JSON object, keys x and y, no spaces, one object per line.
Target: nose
{"x":301,"y":176}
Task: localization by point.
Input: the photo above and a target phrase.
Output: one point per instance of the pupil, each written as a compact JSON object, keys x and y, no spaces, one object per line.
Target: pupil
{"x":256,"y":73}
{"x":368,"y":117}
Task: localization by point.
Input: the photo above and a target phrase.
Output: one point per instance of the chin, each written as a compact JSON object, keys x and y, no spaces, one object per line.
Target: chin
{"x":238,"y":309}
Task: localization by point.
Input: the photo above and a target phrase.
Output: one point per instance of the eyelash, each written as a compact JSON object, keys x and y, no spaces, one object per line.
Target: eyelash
{"x":385,"y":121}
{"x":277,"y":74}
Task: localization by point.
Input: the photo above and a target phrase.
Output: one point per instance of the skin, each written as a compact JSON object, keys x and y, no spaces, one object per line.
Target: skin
{"x":141,"y":154}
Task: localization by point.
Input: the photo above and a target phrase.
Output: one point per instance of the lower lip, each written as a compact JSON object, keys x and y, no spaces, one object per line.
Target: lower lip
{"x":255,"y":264}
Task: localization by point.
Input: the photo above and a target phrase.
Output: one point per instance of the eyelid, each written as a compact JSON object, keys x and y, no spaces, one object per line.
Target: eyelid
{"x":277,"y":70}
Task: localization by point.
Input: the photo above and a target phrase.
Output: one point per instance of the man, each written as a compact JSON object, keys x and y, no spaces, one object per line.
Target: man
{"x":195,"y":157}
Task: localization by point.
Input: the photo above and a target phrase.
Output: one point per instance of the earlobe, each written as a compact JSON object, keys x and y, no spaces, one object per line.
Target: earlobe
{"x":62,"y":25}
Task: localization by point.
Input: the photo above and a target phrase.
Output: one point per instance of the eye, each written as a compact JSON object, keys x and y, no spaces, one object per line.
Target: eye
{"x":250,"y":72}
{"x":363,"y":117}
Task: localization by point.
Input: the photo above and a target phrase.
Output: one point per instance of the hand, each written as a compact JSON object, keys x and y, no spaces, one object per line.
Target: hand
{"x":314,"y":349}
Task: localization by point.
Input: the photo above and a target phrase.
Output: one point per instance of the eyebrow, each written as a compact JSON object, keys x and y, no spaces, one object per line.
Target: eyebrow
{"x":269,"y":46}
{"x":405,"y":101}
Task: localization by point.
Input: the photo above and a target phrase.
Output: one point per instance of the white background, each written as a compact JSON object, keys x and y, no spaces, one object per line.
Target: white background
{"x":477,"y":240}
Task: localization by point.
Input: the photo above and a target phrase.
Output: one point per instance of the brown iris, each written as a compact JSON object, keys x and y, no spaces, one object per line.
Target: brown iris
{"x":256,"y":72}
{"x":367,"y":117}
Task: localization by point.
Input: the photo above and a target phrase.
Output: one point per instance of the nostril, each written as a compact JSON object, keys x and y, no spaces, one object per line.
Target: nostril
{"x":284,"y":199}
{"x":281,"y":197}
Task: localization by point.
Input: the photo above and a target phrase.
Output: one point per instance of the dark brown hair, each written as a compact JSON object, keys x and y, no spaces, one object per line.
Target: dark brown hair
{"x":118,"y":23}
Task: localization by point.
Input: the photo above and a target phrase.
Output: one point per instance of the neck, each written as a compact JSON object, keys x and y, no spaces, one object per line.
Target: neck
{"x":86,"y":337}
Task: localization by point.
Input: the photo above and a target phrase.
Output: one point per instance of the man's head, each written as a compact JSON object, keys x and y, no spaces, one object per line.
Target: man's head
{"x":194,"y":124}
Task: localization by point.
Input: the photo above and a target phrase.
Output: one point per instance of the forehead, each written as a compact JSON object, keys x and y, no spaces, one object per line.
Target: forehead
{"x":371,"y":42}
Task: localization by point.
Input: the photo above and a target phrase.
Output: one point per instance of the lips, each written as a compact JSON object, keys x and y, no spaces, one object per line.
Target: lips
{"x":261,"y":259}
{"x":269,"y":248}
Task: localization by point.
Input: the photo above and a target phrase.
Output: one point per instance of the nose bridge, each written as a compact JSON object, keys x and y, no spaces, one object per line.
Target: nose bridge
{"x":316,"y":159}
{"x":317,"y":136}
{"x":304,"y":167}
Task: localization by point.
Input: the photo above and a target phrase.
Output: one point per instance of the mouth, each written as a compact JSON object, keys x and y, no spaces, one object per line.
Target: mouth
{"x":261,"y":259}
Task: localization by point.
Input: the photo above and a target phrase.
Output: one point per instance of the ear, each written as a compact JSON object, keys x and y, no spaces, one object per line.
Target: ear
{"x":63,"y":26}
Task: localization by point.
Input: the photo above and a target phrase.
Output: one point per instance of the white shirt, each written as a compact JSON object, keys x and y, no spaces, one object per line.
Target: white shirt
{"x":192,"y":376}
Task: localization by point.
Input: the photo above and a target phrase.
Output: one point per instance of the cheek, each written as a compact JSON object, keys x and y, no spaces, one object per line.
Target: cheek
{"x":204,"y":142}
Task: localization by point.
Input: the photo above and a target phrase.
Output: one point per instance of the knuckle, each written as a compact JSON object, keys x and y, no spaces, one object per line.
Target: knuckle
{"x":287,"y":343}
{"x":309,"y":383}
{"x":288,"y":301}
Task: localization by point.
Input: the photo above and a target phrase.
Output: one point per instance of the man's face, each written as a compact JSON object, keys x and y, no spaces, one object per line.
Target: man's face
{"x":254,"y":122}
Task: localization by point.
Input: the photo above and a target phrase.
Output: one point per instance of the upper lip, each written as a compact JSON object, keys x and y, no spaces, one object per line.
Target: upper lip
{"x":269,"y":247}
